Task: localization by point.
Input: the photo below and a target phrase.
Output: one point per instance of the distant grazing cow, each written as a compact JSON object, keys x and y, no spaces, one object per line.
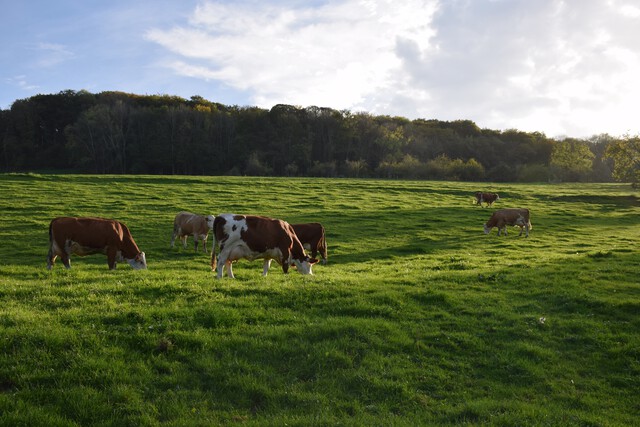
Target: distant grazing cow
{"x":254,"y":237}
{"x":189,"y":224}
{"x":487,"y":198}
{"x":504,"y":217}
{"x":87,"y":236}
{"x":311,"y":236}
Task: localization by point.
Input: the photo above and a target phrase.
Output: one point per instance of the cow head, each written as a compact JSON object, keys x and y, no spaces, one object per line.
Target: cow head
{"x":487,"y":229}
{"x":139,"y":262}
{"x":210,"y":219}
{"x":304,"y":265}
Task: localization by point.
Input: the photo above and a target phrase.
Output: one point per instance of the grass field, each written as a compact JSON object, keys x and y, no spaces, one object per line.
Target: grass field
{"x":418,"y":318}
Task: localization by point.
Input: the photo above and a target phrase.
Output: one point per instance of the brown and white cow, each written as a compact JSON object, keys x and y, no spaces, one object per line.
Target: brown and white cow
{"x":311,"y":235}
{"x":514,"y":216}
{"x":487,"y":198}
{"x":256,"y":237}
{"x":88,"y":236}
{"x":190,"y":224}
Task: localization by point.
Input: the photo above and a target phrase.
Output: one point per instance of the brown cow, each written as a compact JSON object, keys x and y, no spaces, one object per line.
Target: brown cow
{"x":189,"y":224}
{"x":488,"y":198}
{"x":88,"y":236}
{"x":504,"y":217}
{"x":253,"y":237}
{"x":311,"y":236}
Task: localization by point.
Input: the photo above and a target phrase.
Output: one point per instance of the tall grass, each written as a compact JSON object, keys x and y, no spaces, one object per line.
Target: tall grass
{"x":418,"y":318}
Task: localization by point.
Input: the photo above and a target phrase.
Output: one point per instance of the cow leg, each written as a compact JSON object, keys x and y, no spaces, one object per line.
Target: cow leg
{"x":66,"y":261}
{"x":222,"y":263}
{"x":184,"y":242}
{"x":51,"y":259}
{"x":229,"y":270}
{"x":173,"y":238}
{"x":204,"y":245}
{"x":195,"y":242}
{"x":265,"y":266}
{"x":111,"y":257}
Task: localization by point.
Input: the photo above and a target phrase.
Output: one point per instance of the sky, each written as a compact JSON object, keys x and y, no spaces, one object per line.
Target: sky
{"x":564,"y":68}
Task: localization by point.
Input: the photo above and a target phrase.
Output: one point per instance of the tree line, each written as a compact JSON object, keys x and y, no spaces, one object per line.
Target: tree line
{"x":122,"y":133}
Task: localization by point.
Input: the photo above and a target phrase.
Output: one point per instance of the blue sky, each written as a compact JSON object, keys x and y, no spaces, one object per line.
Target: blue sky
{"x":565,"y":68}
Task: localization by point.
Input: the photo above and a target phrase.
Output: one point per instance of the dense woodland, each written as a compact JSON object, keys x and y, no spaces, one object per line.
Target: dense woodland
{"x":121,"y":133}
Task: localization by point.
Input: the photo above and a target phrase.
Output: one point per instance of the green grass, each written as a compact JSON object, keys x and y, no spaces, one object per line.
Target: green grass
{"x":418,"y":318}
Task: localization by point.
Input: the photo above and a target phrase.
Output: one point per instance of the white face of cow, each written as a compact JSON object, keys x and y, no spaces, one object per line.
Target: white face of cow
{"x":304,"y":267}
{"x":210,"y":219}
{"x":139,"y":262}
{"x":486,"y":229}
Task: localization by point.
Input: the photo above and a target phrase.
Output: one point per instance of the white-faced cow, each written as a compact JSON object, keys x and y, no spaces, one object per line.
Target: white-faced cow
{"x":87,"y":236}
{"x":257,"y":237}
{"x":513,"y":217}
{"x":311,"y":235}
{"x":189,"y":224}
{"x":487,"y":198}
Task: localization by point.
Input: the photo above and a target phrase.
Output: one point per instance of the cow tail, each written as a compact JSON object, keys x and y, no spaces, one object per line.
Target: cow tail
{"x":213,"y":253}
{"x":213,"y":247}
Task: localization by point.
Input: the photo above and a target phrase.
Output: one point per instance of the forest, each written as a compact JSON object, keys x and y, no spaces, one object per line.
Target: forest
{"x":121,"y":133}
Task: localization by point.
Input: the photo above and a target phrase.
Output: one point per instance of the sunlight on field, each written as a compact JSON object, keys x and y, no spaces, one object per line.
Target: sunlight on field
{"x":418,"y":318}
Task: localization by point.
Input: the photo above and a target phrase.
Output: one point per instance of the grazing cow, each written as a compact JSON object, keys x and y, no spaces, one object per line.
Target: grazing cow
{"x":189,"y":224}
{"x":488,"y":198}
{"x":311,"y":236}
{"x":253,"y":237}
{"x":88,"y":236}
{"x":513,"y":217}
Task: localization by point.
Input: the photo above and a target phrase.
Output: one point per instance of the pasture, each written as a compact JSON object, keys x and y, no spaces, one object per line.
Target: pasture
{"x":417,"y":319}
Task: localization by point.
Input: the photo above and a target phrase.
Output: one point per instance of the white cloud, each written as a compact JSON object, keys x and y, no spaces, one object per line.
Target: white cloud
{"x":332,"y":55}
{"x":51,"y":54}
{"x":21,"y":82}
{"x":549,"y":65}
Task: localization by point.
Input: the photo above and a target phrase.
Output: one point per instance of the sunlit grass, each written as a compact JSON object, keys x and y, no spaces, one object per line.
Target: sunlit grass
{"x":419,"y":318}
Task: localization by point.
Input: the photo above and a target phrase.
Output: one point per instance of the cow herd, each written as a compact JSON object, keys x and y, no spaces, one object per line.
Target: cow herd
{"x":248,"y":237}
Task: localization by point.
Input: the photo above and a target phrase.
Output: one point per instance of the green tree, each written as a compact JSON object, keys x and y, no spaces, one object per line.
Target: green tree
{"x":571,"y":160}
{"x":626,"y":157}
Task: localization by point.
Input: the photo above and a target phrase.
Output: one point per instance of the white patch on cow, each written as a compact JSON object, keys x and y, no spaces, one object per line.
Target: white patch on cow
{"x":233,"y":228}
{"x":139,"y":262}
{"x":303,"y":267}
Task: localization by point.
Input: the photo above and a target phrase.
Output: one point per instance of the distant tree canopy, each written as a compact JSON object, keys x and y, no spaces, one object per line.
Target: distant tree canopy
{"x":626,"y":156}
{"x":121,"y":133}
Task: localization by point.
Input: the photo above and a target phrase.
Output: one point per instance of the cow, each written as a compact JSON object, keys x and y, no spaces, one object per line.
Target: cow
{"x":88,"y":236}
{"x":257,"y":237}
{"x":311,"y":236}
{"x":503,"y":217}
{"x":488,"y":198}
{"x":189,"y":224}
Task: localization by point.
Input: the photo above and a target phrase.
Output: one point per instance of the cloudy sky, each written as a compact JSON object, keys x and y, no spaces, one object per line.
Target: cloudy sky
{"x":565,"y":68}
